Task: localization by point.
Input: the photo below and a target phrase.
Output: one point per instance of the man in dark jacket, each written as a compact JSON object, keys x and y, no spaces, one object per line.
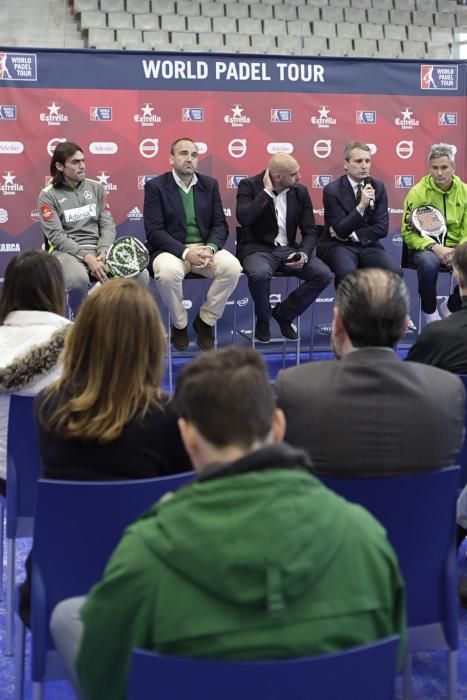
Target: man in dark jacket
{"x":355,"y":217}
{"x":186,"y":232}
{"x":444,"y":343}
{"x":271,"y":207}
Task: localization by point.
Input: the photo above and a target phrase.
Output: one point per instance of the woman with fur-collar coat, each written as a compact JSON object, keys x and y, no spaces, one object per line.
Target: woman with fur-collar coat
{"x":32,"y":332}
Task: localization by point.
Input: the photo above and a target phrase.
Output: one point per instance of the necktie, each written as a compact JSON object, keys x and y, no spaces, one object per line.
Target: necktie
{"x":358,"y":194}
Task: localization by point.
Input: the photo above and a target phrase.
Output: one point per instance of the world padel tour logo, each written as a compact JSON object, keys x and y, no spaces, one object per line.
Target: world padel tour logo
{"x":403,"y":182}
{"x":100,"y":114}
{"x":18,"y":66}
{"x":320,"y":181}
{"x":192,"y":114}
{"x":447,"y":118}
{"x":282,"y":115}
{"x":438,"y":77}
{"x":143,"y":179}
{"x":365,"y":117}
{"x":234,"y":180}
{"x":8,"y":112}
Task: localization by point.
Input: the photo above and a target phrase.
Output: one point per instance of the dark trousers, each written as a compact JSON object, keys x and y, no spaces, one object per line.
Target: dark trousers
{"x":260,"y":267}
{"x":343,"y":259}
{"x":428,"y":265}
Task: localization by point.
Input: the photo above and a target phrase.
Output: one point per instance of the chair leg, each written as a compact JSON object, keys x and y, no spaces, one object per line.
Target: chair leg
{"x":37,"y":691}
{"x":452,"y":675}
{"x":407,"y":679}
{"x":19,"y":661}
{"x":2,"y":535}
{"x":10,"y":596}
{"x":312,"y":331}
{"x":169,"y":352}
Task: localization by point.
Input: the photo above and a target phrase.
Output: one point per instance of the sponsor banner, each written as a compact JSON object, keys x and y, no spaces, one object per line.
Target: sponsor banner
{"x":229,"y":73}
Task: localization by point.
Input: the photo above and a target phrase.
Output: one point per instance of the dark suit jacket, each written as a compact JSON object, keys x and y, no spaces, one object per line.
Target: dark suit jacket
{"x":370,"y":414}
{"x":444,"y":343}
{"x":340,"y":212}
{"x":258,"y":221}
{"x":164,"y":215}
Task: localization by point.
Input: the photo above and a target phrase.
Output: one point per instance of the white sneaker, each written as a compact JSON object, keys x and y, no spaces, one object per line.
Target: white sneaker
{"x":411,"y":327}
{"x":429,"y":318}
{"x":443,"y":309}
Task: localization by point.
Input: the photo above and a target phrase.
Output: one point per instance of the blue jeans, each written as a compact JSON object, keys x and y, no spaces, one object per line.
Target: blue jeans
{"x":428,"y":265}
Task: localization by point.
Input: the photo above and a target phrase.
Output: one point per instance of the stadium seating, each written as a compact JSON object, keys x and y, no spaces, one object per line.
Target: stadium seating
{"x":420,"y":29}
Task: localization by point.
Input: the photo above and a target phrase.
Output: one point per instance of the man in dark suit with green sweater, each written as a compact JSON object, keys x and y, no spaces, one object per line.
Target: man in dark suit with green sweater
{"x":186,"y":230}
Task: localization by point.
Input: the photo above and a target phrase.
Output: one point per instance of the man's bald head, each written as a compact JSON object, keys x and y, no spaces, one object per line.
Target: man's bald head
{"x":284,"y":171}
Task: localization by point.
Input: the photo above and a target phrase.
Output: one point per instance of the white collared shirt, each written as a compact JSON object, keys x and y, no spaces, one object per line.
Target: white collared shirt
{"x":354,"y":184}
{"x":280,"y":207}
{"x":180,"y":183}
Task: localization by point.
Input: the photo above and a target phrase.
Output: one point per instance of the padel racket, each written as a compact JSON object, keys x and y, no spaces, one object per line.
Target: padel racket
{"x":429,"y":222}
{"x":127,"y":257}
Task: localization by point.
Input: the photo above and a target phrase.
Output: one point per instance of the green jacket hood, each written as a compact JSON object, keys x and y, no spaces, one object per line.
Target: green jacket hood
{"x":244,"y":543}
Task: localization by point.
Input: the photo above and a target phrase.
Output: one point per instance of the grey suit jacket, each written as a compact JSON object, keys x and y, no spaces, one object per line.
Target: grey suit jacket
{"x":370,"y":414}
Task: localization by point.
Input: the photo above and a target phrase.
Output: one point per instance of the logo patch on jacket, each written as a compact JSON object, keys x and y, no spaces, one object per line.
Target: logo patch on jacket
{"x":46,"y":211}
{"x":80,"y":213}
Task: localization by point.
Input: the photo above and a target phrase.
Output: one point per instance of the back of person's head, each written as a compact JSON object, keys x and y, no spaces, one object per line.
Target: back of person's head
{"x":227,"y":396}
{"x":62,"y":152}
{"x":459,"y":263}
{"x":373,"y":305}
{"x":112,"y":364}
{"x":33,"y":282}
{"x":440,"y":150}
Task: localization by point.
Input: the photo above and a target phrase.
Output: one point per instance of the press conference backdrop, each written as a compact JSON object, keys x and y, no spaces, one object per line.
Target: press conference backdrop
{"x":126,"y":108}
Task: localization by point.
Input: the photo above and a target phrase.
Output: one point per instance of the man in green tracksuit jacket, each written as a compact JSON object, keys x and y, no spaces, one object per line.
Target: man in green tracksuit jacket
{"x":254,"y":560}
{"x":445,"y":191}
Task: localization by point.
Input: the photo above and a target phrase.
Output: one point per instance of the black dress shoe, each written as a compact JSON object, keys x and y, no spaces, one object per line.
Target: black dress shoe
{"x":262,"y":332}
{"x":287,"y":330}
{"x":179,"y":338}
{"x":204,"y":333}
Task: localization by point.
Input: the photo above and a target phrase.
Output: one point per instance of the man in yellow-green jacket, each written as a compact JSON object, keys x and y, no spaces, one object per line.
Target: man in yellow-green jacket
{"x":254,"y":560}
{"x":442,"y":189}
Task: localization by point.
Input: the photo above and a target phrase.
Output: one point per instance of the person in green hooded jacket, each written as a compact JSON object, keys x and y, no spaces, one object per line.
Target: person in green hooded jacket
{"x":442,"y":189}
{"x":256,"y":559}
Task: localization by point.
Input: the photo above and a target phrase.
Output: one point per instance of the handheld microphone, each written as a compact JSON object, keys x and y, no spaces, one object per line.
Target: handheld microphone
{"x":367,"y":181}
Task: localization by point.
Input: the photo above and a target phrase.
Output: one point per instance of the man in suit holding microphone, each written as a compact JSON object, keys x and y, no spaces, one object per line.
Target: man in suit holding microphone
{"x":355,"y":217}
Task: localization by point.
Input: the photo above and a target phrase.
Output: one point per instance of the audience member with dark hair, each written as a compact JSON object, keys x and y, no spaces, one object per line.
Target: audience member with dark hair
{"x":254,"y":560}
{"x":444,"y":343}
{"x":32,"y":332}
{"x":106,"y":416}
{"x":368,"y":413}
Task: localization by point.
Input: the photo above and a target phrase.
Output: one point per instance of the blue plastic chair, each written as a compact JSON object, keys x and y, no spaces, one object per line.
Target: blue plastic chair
{"x":23,"y":469}
{"x":419,"y":514}
{"x":462,"y":459}
{"x":77,"y":526}
{"x":362,"y":673}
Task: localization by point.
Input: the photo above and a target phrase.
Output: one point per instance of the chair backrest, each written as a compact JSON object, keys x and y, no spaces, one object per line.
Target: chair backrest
{"x":462,"y":459}
{"x":366,"y":672}
{"x":77,"y":526}
{"x":418,"y":512}
{"x":23,"y":467}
